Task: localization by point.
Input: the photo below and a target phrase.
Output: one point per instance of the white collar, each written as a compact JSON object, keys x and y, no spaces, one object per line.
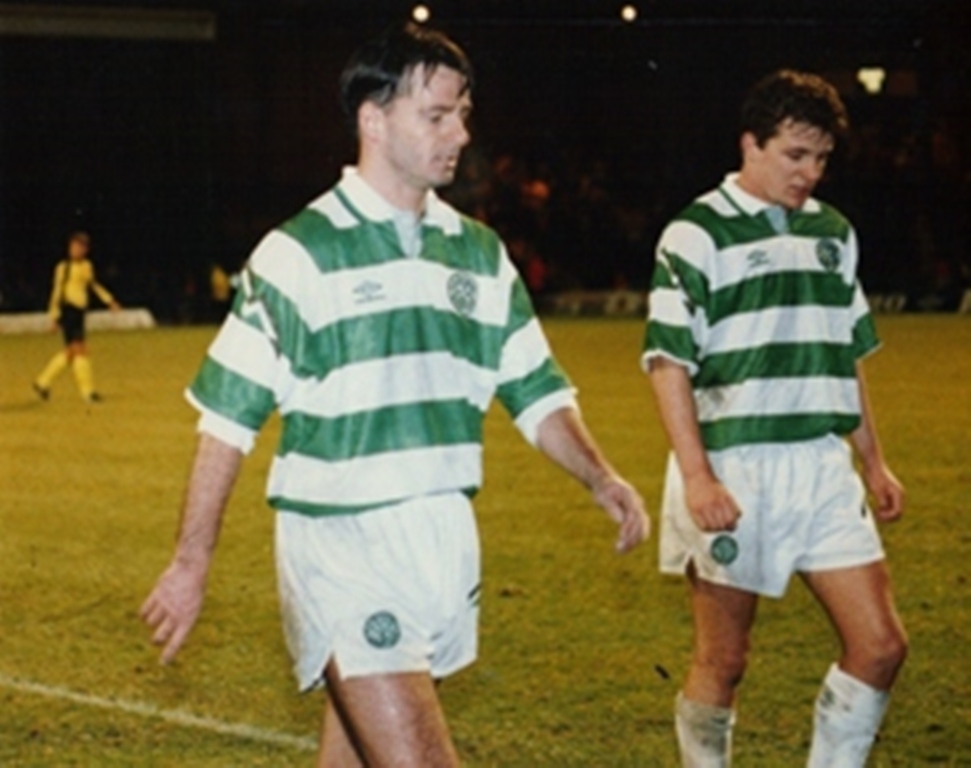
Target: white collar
{"x":748,"y":202}
{"x":369,"y":203}
{"x":752,"y":205}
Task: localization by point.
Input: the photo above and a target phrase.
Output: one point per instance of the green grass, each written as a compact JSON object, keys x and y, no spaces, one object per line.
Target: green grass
{"x":582,"y":651}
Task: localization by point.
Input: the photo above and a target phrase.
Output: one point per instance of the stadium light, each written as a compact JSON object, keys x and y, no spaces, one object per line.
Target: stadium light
{"x":629,"y":13}
{"x":421,"y":13}
{"x":871,"y":78}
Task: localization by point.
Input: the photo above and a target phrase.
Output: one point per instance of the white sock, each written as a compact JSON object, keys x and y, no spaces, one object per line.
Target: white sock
{"x":704,"y":734}
{"x":848,"y":714}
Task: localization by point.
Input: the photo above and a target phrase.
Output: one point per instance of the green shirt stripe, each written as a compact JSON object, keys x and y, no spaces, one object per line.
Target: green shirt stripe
{"x":777,"y":361}
{"x":729,"y":432}
{"x":779,"y":289}
{"x":393,"y":428}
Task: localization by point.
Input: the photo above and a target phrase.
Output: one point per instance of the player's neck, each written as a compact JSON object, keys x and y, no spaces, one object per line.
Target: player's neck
{"x":396,"y":191}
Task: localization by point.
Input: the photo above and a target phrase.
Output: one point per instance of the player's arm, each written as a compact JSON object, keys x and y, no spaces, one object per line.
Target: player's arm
{"x":886,"y":489}
{"x":57,"y":291}
{"x":564,"y":438}
{"x":709,"y":502}
{"x":103,"y":293}
{"x":174,"y":604}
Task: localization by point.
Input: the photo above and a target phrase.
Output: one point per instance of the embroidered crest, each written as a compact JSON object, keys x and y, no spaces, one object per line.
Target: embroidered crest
{"x":463,"y":292}
{"x":828,"y":253}
{"x":724,"y":549}
{"x":382,"y":630}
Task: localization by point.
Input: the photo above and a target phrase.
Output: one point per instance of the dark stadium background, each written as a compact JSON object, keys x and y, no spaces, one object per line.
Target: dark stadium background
{"x":176,"y":154}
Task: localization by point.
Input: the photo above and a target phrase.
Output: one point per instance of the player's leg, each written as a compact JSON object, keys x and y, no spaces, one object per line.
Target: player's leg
{"x":336,"y":748}
{"x":72,"y":325}
{"x":853,"y":699}
{"x":55,"y":366}
{"x":83,"y":370}
{"x":70,"y":330}
{"x":386,"y":720}
{"x":723,"y":618}
{"x":860,"y":604}
{"x":704,"y":715}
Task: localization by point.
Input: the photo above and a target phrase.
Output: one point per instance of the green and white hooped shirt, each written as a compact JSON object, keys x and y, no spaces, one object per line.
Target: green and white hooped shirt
{"x":763,"y":308}
{"x":382,"y":358}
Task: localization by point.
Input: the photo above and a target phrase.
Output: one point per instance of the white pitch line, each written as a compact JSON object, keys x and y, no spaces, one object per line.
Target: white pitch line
{"x":174,"y":716}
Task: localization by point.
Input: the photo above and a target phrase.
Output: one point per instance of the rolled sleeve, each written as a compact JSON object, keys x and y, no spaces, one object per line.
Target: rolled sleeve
{"x":529,"y":420}
{"x":223,"y":429}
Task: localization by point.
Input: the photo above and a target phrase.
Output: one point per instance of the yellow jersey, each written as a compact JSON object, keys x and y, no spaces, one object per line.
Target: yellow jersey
{"x":73,"y":280}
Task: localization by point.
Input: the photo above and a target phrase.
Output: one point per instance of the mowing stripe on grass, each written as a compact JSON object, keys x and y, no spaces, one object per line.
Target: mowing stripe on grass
{"x":174,"y":716}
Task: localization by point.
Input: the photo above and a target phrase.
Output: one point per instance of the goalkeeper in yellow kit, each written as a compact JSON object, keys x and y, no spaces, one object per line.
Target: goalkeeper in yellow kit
{"x":73,"y":281}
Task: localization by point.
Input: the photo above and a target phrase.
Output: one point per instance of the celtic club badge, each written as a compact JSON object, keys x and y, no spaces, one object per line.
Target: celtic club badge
{"x":382,"y":630}
{"x":828,"y":254}
{"x":724,"y":549}
{"x":463,"y":292}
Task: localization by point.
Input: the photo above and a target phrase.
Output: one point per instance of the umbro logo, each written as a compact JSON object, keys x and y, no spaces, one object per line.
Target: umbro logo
{"x":757,"y":259}
{"x":368,"y":291}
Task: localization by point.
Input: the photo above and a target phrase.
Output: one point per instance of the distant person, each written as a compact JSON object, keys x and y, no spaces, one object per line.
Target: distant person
{"x":220,"y":292}
{"x":380,"y":323}
{"x":74,"y":281}
{"x":754,"y":343}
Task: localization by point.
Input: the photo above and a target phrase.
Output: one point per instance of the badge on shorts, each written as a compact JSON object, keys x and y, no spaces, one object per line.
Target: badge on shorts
{"x":382,"y":630}
{"x":724,"y":549}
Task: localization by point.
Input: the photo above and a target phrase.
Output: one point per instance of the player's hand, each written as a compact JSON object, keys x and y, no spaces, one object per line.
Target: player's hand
{"x":711,"y":506}
{"x":626,"y":508}
{"x":173,"y":606}
{"x":887,"y":491}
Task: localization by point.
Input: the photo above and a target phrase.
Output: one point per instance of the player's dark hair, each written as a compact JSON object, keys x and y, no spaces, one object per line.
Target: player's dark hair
{"x":789,"y":95}
{"x":80,"y":236}
{"x":380,"y":68}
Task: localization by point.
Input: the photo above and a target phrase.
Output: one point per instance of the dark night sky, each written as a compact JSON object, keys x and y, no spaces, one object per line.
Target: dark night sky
{"x":175,"y":154}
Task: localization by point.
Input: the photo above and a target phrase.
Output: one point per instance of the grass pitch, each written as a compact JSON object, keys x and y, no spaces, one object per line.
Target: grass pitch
{"x":582,"y":651}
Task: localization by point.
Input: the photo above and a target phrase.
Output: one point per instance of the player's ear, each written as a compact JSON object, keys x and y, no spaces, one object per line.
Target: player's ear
{"x":370,"y":121}
{"x":748,"y":144}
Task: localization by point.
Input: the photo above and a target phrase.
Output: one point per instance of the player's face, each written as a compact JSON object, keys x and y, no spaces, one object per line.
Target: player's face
{"x":424,"y":129}
{"x":785,"y":170}
{"x":77,"y":249}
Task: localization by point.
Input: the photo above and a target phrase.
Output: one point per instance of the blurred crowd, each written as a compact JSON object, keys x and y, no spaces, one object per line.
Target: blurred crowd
{"x":592,"y":224}
{"x":588,"y":219}
{"x":907,"y":194}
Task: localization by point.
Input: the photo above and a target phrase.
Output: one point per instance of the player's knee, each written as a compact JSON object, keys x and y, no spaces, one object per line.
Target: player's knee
{"x":891,"y":652}
{"x":734,"y":670}
{"x":727,"y":664}
{"x":883,"y":655}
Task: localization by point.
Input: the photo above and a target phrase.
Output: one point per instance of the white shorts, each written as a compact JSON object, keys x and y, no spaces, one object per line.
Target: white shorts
{"x":803,"y":509}
{"x":385,"y":591}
